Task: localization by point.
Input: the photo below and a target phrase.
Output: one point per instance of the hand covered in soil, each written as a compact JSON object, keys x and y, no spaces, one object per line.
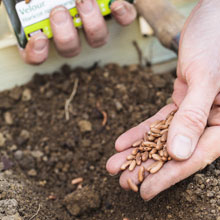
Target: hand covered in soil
{"x":66,"y":36}
{"x":195,"y":93}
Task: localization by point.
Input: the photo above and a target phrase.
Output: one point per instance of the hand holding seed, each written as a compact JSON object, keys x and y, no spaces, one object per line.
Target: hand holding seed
{"x":154,"y":178}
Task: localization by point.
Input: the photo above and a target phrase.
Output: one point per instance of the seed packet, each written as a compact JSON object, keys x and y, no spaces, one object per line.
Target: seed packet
{"x":30,"y":18}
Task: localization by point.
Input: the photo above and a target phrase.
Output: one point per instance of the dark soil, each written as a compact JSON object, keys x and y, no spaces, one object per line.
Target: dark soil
{"x":42,"y":152}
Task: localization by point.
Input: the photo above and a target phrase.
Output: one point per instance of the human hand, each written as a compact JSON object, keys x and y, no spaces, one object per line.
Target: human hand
{"x":207,"y":150}
{"x":195,"y":90}
{"x":66,"y":36}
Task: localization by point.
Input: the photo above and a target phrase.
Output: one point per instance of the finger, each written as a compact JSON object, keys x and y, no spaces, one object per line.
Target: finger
{"x":207,"y":151}
{"x":128,"y":138}
{"x":133,"y":175}
{"x":123,"y":12}
{"x":113,"y":165}
{"x":214,"y":116}
{"x":93,"y":22}
{"x":190,"y":120}
{"x":36,"y":51}
{"x":217,"y":99}
{"x":179,"y":93}
{"x":65,"y":34}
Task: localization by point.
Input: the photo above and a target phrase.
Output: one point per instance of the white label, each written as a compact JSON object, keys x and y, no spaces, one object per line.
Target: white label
{"x":39,"y":10}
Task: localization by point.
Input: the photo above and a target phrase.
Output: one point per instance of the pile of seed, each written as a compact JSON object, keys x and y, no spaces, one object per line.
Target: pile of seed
{"x":152,"y":146}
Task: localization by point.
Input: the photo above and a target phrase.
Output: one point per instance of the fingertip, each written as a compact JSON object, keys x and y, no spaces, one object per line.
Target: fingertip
{"x":123,"y":12}
{"x":36,"y":51}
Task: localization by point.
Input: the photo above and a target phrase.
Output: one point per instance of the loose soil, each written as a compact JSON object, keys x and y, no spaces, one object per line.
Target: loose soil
{"x":41,"y":152}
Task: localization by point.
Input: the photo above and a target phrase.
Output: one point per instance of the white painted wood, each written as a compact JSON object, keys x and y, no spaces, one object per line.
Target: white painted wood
{"x":119,"y":49}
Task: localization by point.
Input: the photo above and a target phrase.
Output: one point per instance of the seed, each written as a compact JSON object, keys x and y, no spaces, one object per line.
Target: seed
{"x":163,"y":131}
{"x":169,"y":119}
{"x":144,"y":156}
{"x":148,"y":148}
{"x":169,"y":158}
{"x":150,"y":156}
{"x":153,"y":151}
{"x":138,"y":159}
{"x":165,"y":153}
{"x":141,"y":148}
{"x":136,"y":143}
{"x":135,"y":151}
{"x":159,"y":145}
{"x":164,"y":137}
{"x":151,"y":166}
{"x":132,"y":185}
{"x":130,"y":157}
{"x":164,"y":159}
{"x":149,"y":144}
{"x":156,"y":157}
{"x":151,"y":138}
{"x":77,"y":181}
{"x":141,"y":174}
{"x":161,"y":153}
{"x":132,"y":165}
{"x":154,"y":124}
{"x":156,"y":134}
{"x":125,"y":165}
{"x":155,"y":130}
{"x":156,"y":167}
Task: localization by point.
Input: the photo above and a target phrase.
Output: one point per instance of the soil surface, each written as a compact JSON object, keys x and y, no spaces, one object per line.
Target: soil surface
{"x":41,"y":152}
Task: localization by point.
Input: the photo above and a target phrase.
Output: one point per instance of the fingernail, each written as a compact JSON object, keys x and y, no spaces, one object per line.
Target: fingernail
{"x":182,"y":147}
{"x":112,"y":174}
{"x":120,"y":10}
{"x":59,"y":16}
{"x":85,"y":6}
{"x":40,"y":43}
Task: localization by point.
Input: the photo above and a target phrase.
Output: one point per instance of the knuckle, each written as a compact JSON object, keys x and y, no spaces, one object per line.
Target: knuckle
{"x":95,"y":30}
{"x":65,"y":39}
{"x":195,"y":119}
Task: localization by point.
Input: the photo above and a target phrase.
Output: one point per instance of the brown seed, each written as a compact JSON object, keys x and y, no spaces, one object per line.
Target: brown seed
{"x":151,"y":138}
{"x":132,"y":185}
{"x":150,"y":156}
{"x":164,"y":137}
{"x":148,"y":148}
{"x":154,"y":124}
{"x":132,"y":165}
{"x":130,"y":157}
{"x":138,"y":159}
{"x":165,"y":153}
{"x":77,"y":181}
{"x":159,"y":145}
{"x":137,"y":143}
{"x":156,"y":157}
{"x":160,"y":153}
{"x":157,"y":166}
{"x":168,"y":120}
{"x":155,"y":135}
{"x":144,"y":156}
{"x":153,"y":151}
{"x":163,"y":127}
{"x":155,"y":130}
{"x":169,"y":158}
{"x":141,"y":174}
{"x":149,"y":144}
{"x":135,"y":151}
{"x":164,"y":131}
{"x":141,"y":148}
{"x":125,"y":165}
{"x":164,"y":159}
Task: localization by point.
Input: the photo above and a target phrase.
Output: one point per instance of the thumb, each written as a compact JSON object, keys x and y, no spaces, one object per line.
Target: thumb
{"x":190,"y":120}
